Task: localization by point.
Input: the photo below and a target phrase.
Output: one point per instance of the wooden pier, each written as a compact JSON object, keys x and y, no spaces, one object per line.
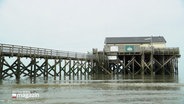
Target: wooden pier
{"x":19,"y":61}
{"x":139,"y":56}
{"x":125,"y":56}
{"x":158,"y":62}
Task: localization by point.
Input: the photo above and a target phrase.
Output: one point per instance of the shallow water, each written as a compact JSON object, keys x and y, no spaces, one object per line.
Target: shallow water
{"x":97,"y":90}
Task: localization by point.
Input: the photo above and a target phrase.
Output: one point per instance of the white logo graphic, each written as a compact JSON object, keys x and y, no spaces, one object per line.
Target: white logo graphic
{"x":25,"y":94}
{"x":129,"y":49}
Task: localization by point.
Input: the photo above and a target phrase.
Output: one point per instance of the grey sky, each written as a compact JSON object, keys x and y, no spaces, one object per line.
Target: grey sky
{"x":80,"y":25}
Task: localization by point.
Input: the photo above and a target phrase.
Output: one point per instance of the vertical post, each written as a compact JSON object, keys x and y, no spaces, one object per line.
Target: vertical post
{"x":31,"y":70}
{"x":55,"y":63}
{"x":1,"y":67}
{"x":151,"y":56}
{"x":163,"y":61}
{"x":73,"y":67}
{"x":151,"y":59}
{"x":172,"y":66}
{"x":176,"y":67}
{"x":18,"y":69}
{"x":81,"y":66}
{"x":133,"y":67}
{"x":85,"y":68}
{"x":46,"y":69}
{"x":124,"y":63}
{"x":70,"y":69}
{"x":35,"y":70}
{"x":142,"y":63}
{"x":88,"y":73}
{"x":59,"y":69}
{"x":77,"y":68}
{"x":65,"y":70}
{"x":92,"y":67}
{"x":77,"y":74}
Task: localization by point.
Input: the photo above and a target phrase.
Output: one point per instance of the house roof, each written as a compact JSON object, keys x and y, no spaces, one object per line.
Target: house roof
{"x":134,"y":40}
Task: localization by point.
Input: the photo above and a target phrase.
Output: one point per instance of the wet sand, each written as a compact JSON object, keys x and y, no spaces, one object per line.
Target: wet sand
{"x":113,"y":90}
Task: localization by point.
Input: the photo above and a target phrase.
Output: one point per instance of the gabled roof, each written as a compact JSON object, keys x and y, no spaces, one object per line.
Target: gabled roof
{"x":134,"y":40}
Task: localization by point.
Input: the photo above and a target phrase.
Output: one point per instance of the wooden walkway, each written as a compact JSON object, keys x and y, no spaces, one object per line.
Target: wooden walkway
{"x":25,"y":51}
{"x":40,"y":62}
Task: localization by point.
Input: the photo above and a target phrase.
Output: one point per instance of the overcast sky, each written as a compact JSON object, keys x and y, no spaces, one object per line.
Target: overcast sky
{"x":80,"y":25}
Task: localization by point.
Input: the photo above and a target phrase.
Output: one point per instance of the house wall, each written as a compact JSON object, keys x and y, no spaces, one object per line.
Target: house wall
{"x":155,"y":45}
{"x":130,"y":47}
{"x":121,"y":48}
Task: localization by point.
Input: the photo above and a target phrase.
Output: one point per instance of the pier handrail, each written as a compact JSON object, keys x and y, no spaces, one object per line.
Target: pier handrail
{"x":26,"y":50}
{"x":163,"y":50}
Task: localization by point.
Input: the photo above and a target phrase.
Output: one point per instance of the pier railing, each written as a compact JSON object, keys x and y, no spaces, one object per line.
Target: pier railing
{"x":161,"y":51}
{"x":12,"y":50}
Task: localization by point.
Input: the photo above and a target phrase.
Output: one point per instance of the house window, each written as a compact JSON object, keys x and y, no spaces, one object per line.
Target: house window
{"x":114,"y":48}
{"x":112,"y":57}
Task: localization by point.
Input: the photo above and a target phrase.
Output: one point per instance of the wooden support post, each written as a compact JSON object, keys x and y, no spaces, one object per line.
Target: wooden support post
{"x":73,"y":68}
{"x":1,"y":67}
{"x":142,"y":63}
{"x":89,"y":64}
{"x":176,"y":66}
{"x":55,"y":74}
{"x":92,"y":67}
{"x":18,"y":70}
{"x":35,"y":70}
{"x":151,"y":59}
{"x":78,"y":63}
{"x":31,"y":70}
{"x":124,"y":64}
{"x":81,"y":66}
{"x":46,"y":70}
{"x":163,"y":68}
{"x":85,"y":68}
{"x":70,"y":69}
{"x":60,"y":69}
{"x":133,"y":67}
{"x":64,"y":68}
{"x":172,"y":66}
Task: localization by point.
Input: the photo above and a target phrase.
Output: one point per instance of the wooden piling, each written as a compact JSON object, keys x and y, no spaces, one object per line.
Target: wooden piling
{"x":46,"y":70}
{"x":18,"y":70}
{"x":151,"y":59}
{"x":70,"y":69}
{"x":133,"y":67}
{"x":35,"y":69}
{"x":142,"y":63}
{"x":1,"y":67}
{"x":55,"y":74}
{"x":60,"y":69}
{"x":163,"y":61}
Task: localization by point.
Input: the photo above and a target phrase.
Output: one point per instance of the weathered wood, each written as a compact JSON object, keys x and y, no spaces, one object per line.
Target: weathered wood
{"x":151,"y":59}
{"x":142,"y":63}
{"x":55,"y":74}
{"x":70,"y":69}
{"x":46,"y":69}
{"x":1,"y":67}
{"x":60,"y":69}
{"x":35,"y":70}
{"x":162,"y":67}
{"x":17,"y":74}
{"x":133,"y":67}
